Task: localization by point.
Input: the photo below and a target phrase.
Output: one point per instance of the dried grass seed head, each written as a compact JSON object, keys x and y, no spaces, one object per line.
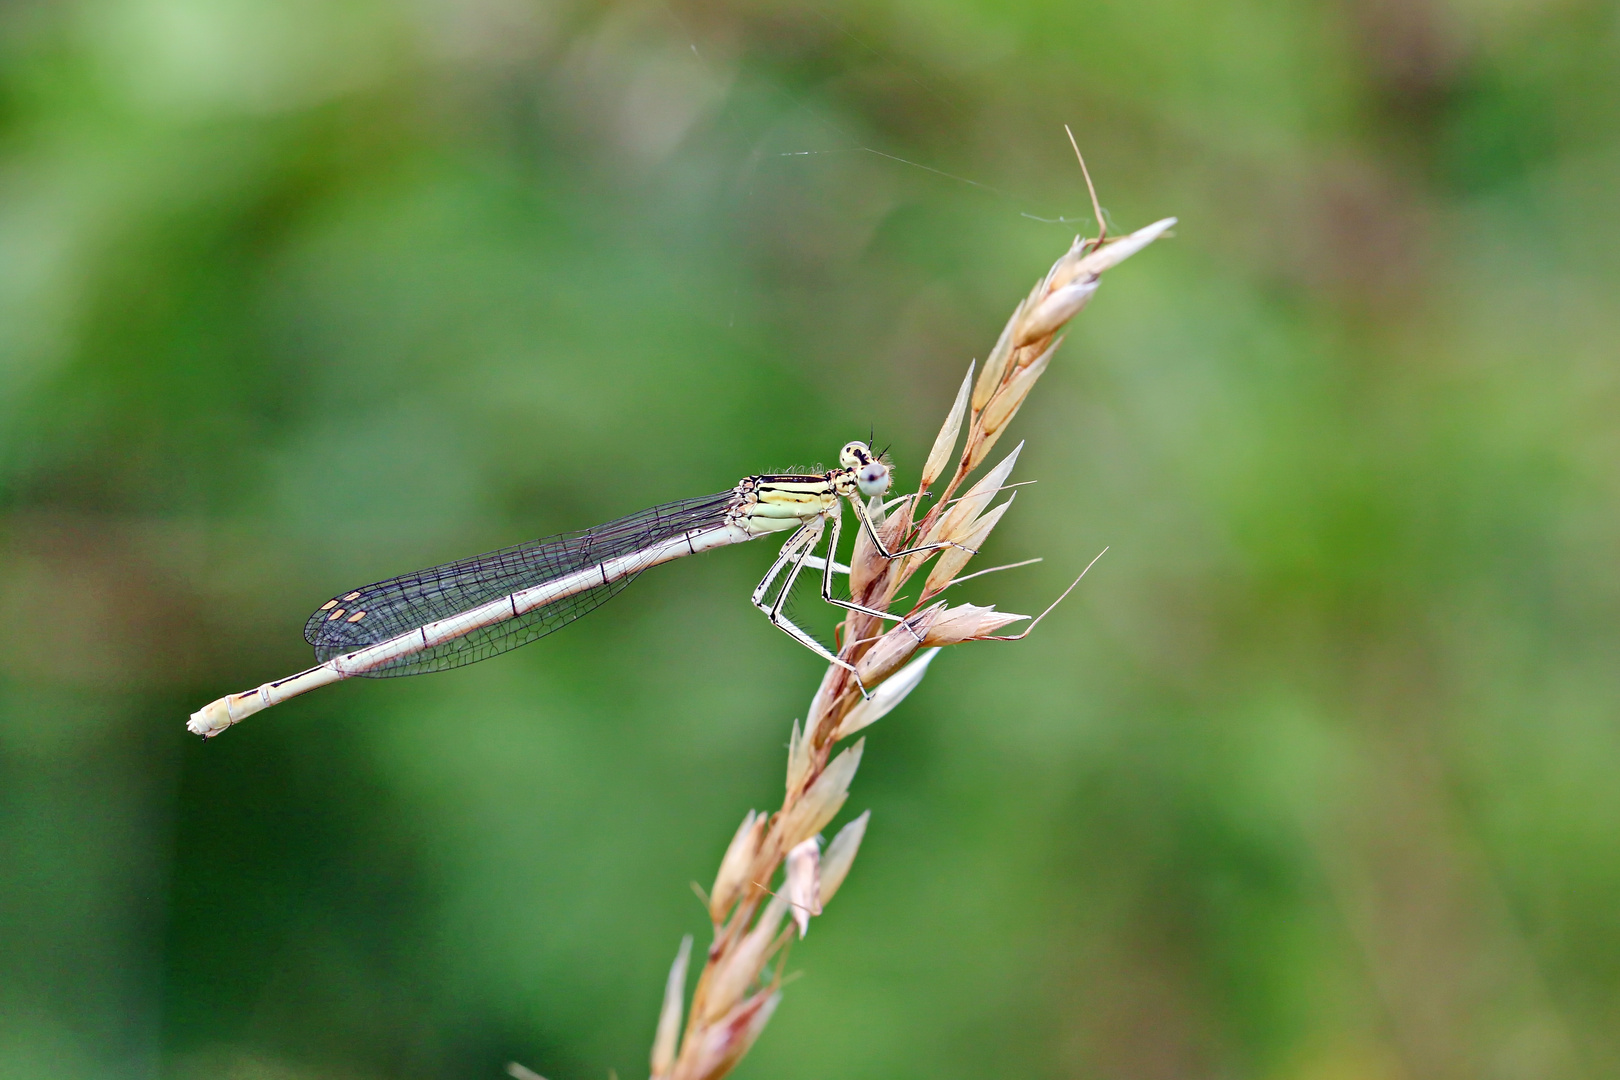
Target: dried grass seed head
{"x":732,"y":1011}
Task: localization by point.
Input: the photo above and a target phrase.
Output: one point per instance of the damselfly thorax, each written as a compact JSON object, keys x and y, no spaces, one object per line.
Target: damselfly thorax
{"x":786,"y":501}
{"x":461,"y":612}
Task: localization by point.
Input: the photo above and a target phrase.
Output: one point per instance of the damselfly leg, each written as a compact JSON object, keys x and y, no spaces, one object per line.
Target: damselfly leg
{"x":850,"y":605}
{"x":799,"y":552}
{"x":877,"y":541}
{"x":795,"y":554}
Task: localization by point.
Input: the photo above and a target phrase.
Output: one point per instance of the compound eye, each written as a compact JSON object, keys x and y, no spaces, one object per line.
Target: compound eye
{"x":873,"y":479}
{"x":854,"y":454}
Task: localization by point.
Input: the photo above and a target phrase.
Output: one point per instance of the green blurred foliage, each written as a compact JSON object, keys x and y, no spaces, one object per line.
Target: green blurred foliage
{"x":1314,"y":778}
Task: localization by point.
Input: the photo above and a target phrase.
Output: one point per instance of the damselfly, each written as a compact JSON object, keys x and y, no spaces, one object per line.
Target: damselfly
{"x":466,"y":611}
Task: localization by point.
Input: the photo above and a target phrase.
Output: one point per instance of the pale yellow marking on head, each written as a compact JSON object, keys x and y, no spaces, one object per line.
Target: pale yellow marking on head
{"x":329,"y":605}
{"x":854,"y":455}
{"x":352,"y":596}
{"x":338,"y":614}
{"x":356,"y":617}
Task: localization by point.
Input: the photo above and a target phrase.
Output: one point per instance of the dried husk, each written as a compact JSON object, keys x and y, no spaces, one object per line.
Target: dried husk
{"x":821,"y":801}
{"x":953,"y":560}
{"x":669,"y":1017}
{"x":1005,"y":405}
{"x":724,"y":1043}
{"x":945,"y":441}
{"x":967,"y":622}
{"x":732,"y":877}
{"x":739,"y":968}
{"x":840,"y":856}
{"x":889,"y":694}
{"x":803,"y":883}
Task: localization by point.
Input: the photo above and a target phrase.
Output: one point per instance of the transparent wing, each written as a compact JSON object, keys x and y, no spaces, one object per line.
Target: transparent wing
{"x":387,"y":609}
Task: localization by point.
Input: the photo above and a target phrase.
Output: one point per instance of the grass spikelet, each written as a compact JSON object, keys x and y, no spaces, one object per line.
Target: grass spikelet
{"x":669,"y":1018}
{"x":886,"y":697}
{"x":952,"y":560}
{"x":945,"y":441}
{"x":739,"y":857}
{"x":840,"y":855}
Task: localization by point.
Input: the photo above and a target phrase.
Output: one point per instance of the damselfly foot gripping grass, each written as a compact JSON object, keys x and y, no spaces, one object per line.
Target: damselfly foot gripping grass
{"x":466,"y":611}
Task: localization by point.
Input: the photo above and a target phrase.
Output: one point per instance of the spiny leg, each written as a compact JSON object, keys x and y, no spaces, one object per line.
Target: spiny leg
{"x":812,"y":531}
{"x":798,"y":547}
{"x":877,"y":541}
{"x":806,"y":533}
{"x":818,"y":525}
{"x":850,"y":605}
{"x":816,"y":562}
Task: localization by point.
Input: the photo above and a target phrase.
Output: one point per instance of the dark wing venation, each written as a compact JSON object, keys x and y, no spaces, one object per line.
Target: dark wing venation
{"x":496,"y":638}
{"x":386,"y":609}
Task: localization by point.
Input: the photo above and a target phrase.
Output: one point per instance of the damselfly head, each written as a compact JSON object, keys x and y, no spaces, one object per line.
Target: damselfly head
{"x":871,"y":474}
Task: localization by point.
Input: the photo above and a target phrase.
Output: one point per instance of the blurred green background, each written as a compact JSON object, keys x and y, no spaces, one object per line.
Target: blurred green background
{"x":1314,"y":777}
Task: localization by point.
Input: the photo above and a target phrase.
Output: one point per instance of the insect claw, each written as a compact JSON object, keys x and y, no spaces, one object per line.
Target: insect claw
{"x":866,"y":695}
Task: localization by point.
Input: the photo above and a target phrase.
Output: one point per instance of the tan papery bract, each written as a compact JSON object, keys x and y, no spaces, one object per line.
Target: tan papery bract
{"x":732,"y":877}
{"x":1068,"y":267}
{"x":821,"y":801}
{"x":1111,"y":255}
{"x":1053,"y":312}
{"x":840,"y":856}
{"x":742,"y":965}
{"x":952,"y":560}
{"x":1004,"y":406}
{"x":966,"y":622}
{"x":829,"y":692}
{"x":890,"y":693}
{"x":893,"y":649}
{"x":798,"y":758}
{"x":957,"y":521}
{"x":723,"y":1045}
{"x":945,"y":441}
{"x":669,"y":1017}
{"x":803,"y":883}
{"x":995,"y":365}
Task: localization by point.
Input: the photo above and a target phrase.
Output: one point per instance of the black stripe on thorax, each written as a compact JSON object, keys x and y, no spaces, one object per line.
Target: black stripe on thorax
{"x":791,"y":478}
